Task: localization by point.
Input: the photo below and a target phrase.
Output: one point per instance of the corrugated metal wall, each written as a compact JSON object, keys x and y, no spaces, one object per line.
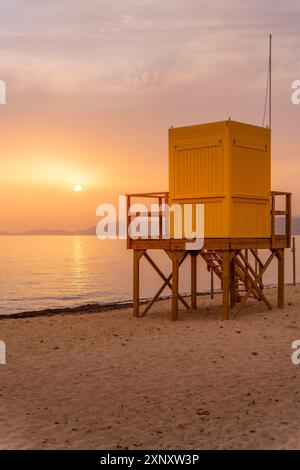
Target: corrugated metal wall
{"x":250,"y":218}
{"x":191,"y":167}
{"x":250,"y":171}
{"x":225,"y":166}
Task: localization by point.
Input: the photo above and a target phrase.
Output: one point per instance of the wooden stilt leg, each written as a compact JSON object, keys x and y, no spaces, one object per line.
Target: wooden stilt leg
{"x":226,"y":284}
{"x":294,"y":261}
{"x":247,"y":284}
{"x":194,"y":280}
{"x":233,"y":286}
{"x":137,"y":254}
{"x":211,"y":283}
{"x":175,"y":286}
{"x":280,"y":257}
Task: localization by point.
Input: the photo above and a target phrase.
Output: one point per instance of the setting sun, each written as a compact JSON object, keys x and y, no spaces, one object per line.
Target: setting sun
{"x":77,"y":188}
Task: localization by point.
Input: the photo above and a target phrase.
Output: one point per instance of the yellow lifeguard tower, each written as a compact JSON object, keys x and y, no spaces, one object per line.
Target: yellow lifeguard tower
{"x":226,"y":166}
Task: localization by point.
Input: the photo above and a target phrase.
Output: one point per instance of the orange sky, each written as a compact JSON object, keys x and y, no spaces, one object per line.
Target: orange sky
{"x":92,"y":91}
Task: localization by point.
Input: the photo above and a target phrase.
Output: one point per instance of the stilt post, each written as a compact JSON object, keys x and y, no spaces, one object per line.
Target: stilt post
{"x":233,"y":287}
{"x":226,"y":284}
{"x":194,"y":279}
{"x":137,"y":254}
{"x":175,"y":284}
{"x":211,"y":283}
{"x":294,"y":260}
{"x":280,"y":257}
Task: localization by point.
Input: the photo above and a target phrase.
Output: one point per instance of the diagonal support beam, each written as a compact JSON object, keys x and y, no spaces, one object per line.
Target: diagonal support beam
{"x":254,"y":274}
{"x":246,"y":269}
{"x":259,"y":261}
{"x":165,"y":279}
{"x":255,"y":286}
{"x":166,"y":283}
{"x":255,"y":283}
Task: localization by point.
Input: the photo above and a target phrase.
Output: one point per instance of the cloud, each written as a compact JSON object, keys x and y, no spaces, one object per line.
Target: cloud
{"x":130,"y":46}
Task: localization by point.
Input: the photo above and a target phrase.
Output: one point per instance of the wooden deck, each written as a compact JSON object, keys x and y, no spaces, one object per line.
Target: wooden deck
{"x":278,"y":241}
{"x":234,"y":260}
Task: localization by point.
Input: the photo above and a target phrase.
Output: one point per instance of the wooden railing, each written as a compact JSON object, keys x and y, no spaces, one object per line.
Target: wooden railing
{"x":286,"y":213}
{"x":159,"y":197}
{"x":162,"y":198}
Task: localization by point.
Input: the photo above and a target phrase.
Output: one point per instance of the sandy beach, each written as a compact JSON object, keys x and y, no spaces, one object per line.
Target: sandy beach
{"x":105,"y":380}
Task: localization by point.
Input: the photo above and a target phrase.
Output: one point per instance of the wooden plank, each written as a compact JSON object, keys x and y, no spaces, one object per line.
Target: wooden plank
{"x":175,"y":286}
{"x":245,"y":259}
{"x":294,"y":260}
{"x":150,"y":195}
{"x":150,"y":244}
{"x":194,"y":279}
{"x":280,"y":212}
{"x":211,"y":283}
{"x":257,"y":259}
{"x":281,"y":241}
{"x":137,"y":254}
{"x":250,"y":243}
{"x":128,"y":218}
{"x":273,"y":218}
{"x":280,"y":257}
{"x":226,"y":283}
{"x":216,"y":244}
{"x":219,"y":244}
{"x":289,"y":219}
{"x":280,"y":193}
{"x":232,"y":283}
{"x":160,"y":202}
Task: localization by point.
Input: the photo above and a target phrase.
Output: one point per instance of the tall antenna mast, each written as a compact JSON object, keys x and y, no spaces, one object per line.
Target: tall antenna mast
{"x":270,"y":81}
{"x":268,"y":95}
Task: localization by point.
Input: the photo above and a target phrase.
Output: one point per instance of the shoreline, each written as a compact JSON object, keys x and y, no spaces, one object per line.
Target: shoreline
{"x":87,"y":308}
{"x":98,"y":308}
{"x":91,"y":307}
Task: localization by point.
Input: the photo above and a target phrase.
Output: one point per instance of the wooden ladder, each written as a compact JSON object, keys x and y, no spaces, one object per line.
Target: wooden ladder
{"x":214,"y":261}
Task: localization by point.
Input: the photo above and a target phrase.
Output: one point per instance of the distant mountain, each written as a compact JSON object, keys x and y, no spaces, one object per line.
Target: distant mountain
{"x":47,"y":232}
{"x":280,"y":228}
{"x":280,"y":225}
{"x":296,"y":225}
{"x":89,"y":231}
